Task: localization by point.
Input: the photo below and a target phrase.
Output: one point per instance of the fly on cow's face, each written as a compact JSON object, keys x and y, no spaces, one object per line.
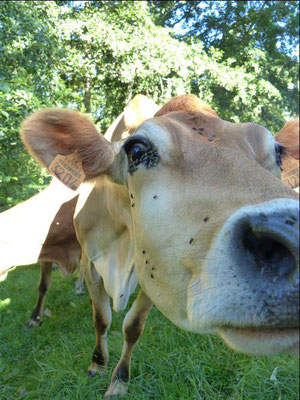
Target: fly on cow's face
{"x":140,"y":150}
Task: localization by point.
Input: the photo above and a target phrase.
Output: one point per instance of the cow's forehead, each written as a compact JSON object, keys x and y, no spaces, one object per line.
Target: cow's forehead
{"x":179,"y":130}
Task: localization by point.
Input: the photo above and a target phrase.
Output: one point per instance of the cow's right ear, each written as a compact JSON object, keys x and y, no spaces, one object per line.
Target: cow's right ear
{"x":53,"y":132}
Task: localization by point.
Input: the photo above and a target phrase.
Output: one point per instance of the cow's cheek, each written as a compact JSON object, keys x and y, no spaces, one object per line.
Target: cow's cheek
{"x":166,"y":288}
{"x":158,"y":255}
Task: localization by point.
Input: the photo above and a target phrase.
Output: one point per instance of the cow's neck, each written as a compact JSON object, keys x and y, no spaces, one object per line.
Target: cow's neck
{"x":103,"y":226}
{"x":102,"y":201}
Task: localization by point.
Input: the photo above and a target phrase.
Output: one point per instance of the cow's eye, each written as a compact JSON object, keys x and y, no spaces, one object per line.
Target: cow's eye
{"x":280,"y":151}
{"x":136,"y":151}
{"x":136,"y":147}
{"x":140,"y":150}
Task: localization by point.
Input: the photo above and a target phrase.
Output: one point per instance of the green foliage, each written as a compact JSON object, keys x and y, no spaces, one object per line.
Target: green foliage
{"x":95,"y":56}
{"x":232,"y":25}
{"x":27,"y":81}
{"x":261,"y":37}
{"x":20,"y":176}
{"x":50,"y":361}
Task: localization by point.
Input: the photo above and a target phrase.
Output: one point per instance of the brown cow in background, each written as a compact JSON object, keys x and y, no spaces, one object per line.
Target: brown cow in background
{"x":288,"y":137}
{"x":41,"y":229}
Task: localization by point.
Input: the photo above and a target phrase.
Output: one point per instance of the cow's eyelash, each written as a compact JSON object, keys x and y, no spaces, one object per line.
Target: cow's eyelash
{"x":136,"y":140}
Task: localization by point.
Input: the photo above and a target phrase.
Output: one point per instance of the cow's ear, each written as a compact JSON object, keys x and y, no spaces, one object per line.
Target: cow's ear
{"x":52,"y":133}
{"x":186,"y":103}
{"x":138,"y":110}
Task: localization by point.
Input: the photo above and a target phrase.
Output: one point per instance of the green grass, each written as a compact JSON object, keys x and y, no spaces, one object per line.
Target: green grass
{"x":50,"y":362}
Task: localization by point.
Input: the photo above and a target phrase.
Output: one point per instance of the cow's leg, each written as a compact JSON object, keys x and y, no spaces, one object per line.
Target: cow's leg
{"x":37,"y":314}
{"x":133,"y":327}
{"x":101,"y":316}
{"x":79,"y":284}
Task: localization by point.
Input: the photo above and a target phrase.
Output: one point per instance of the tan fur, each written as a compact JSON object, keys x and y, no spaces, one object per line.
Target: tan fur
{"x":66,"y":132}
{"x":61,"y":245}
{"x":169,"y":220}
{"x":138,"y":110}
{"x":187,"y":103}
{"x":41,"y":229}
{"x":288,"y":136}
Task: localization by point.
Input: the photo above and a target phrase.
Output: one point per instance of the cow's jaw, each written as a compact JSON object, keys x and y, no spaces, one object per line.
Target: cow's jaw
{"x":253,"y":312}
{"x":260,"y":341}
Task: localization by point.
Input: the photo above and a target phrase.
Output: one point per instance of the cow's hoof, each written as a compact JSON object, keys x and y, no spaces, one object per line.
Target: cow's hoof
{"x":96,"y":369}
{"x":33,"y":322}
{"x":79,"y":287}
{"x":79,"y":291}
{"x":116,"y":389}
{"x":47,"y":312}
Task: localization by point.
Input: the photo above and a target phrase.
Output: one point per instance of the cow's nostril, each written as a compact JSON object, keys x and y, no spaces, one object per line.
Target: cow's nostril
{"x":271,"y":257}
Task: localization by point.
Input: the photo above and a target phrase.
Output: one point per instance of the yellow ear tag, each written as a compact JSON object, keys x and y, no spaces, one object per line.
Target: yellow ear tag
{"x":290,"y":173}
{"x":68,"y":169}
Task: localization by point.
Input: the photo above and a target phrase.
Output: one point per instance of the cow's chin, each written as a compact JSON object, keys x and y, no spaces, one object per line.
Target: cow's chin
{"x":261,"y":341}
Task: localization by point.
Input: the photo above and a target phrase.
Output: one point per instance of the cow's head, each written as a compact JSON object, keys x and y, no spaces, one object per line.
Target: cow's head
{"x":288,"y":137}
{"x":215,"y":230}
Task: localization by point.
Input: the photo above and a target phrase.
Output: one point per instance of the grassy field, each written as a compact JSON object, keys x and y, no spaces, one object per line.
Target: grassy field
{"x":50,"y":362}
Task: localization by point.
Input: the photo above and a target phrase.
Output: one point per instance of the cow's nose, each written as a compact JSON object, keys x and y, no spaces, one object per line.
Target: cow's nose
{"x":273,"y":243}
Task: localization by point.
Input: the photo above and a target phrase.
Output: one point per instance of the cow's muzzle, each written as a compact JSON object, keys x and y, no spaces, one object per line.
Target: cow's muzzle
{"x":248,"y":287}
{"x":272,"y":239}
{"x":264,"y":240}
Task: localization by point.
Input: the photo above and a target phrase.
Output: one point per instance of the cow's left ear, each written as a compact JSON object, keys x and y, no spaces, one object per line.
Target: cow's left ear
{"x":54,"y":132}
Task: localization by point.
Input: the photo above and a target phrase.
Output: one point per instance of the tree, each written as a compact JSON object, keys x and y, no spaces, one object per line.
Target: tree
{"x":27,"y":82}
{"x":94,"y":56}
{"x":230,"y":25}
{"x":261,"y":36}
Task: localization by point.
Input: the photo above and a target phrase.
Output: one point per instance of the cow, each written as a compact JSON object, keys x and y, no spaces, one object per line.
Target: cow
{"x":288,"y":137}
{"x":41,"y":229}
{"x":191,"y":208}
